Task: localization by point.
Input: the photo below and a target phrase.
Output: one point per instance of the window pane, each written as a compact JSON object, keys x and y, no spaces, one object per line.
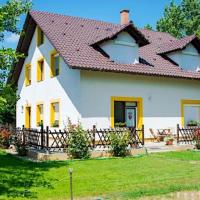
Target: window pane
{"x":56,"y":110}
{"x":119,"y":112}
{"x":42,"y":70}
{"x":56,"y":64}
{"x":191,"y":113}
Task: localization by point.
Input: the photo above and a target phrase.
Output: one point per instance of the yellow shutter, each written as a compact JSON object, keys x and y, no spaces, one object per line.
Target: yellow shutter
{"x":27,"y":74}
{"x":52,"y":67}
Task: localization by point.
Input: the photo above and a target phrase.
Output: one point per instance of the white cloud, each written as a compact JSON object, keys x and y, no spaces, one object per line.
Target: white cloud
{"x":12,"y":38}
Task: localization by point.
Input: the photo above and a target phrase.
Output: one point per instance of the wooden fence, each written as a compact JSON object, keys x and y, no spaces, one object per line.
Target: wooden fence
{"x":58,"y":140}
{"x":187,"y":134}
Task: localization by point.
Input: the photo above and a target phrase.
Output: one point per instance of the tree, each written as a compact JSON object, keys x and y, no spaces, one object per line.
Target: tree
{"x":9,"y":17}
{"x":148,"y":26}
{"x":181,"y":20}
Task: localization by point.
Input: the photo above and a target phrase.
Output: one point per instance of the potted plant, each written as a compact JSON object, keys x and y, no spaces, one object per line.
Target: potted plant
{"x":55,"y":124}
{"x":168,"y":140}
{"x":192,"y":123}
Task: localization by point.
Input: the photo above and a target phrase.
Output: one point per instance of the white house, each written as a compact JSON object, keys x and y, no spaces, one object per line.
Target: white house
{"x":104,"y":74}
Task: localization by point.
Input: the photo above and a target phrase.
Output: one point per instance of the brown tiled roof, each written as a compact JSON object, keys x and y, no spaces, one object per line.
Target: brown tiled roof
{"x":74,"y":39}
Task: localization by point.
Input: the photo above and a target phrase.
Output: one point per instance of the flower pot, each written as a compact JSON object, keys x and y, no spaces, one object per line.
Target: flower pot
{"x":169,"y":142}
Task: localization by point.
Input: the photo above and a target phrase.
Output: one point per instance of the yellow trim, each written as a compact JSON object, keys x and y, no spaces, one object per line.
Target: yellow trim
{"x":39,"y":71}
{"x":129,"y":99}
{"x":39,"y":36}
{"x":27,"y":116}
{"x":52,"y":67}
{"x":52,"y":111}
{"x":38,"y":113}
{"x":187,"y":102}
{"x":27,"y":78}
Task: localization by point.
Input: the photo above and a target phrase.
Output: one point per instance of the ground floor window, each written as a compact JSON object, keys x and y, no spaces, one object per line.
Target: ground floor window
{"x":190,"y":112}
{"x":39,"y":114}
{"x":27,"y":116}
{"x":55,"y":114}
{"x":126,"y":112}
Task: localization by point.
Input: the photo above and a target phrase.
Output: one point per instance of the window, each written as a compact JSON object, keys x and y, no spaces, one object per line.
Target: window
{"x":55,"y":64}
{"x":40,"y":37}
{"x":40,"y":70}
{"x":28,"y":74}
{"x":126,"y":111}
{"x":39,"y":114}
{"x":27,"y":116}
{"x":55,"y":114}
{"x":190,"y":111}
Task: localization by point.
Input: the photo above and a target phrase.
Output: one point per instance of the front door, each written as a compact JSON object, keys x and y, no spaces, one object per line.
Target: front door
{"x":130,"y":116}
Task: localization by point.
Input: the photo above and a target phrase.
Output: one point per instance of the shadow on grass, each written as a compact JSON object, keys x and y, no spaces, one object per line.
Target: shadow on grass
{"x":18,"y":176}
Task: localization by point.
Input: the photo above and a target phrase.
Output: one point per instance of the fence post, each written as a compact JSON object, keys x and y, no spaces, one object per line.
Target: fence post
{"x":23,"y":135}
{"x":142,"y":134}
{"x":47,"y":137}
{"x":177,"y":133}
{"x":94,"y":133}
{"x":42,"y":136}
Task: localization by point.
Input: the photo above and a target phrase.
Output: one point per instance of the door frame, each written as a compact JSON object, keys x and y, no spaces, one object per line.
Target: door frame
{"x":139,"y":102}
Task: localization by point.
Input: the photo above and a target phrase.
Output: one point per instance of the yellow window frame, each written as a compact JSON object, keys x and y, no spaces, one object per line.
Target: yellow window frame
{"x":39,"y":71}
{"x":38,"y":113}
{"x":139,"y":101}
{"x":187,"y":102}
{"x":52,"y":66}
{"x":27,"y":74}
{"x":52,"y":112}
{"x":40,"y":36}
{"x":27,"y":116}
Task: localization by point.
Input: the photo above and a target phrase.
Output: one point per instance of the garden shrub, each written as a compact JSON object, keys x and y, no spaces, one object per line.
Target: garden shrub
{"x":5,"y":138}
{"x":78,"y":142}
{"x":21,"y":147}
{"x":119,"y":144}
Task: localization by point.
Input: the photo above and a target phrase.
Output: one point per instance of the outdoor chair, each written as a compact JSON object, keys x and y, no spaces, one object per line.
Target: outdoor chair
{"x":156,"y":137}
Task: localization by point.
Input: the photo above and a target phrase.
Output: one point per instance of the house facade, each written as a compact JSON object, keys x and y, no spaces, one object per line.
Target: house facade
{"x":104,"y":74}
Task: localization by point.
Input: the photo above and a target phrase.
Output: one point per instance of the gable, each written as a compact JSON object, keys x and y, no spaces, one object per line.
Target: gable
{"x":122,"y":49}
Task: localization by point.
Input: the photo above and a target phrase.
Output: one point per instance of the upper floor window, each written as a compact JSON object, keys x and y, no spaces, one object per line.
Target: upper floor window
{"x":28,"y":74}
{"x":39,"y":114}
{"x":40,"y":37}
{"x":40,"y":70}
{"x":55,"y":114}
{"x":55,"y":64}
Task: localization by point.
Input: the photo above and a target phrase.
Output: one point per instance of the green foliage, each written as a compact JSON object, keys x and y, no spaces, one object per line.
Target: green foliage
{"x":119,"y":144}
{"x":181,"y":20}
{"x":148,"y":26}
{"x":193,"y":123}
{"x":78,"y":142}
{"x":9,"y":16}
{"x":4,"y":138}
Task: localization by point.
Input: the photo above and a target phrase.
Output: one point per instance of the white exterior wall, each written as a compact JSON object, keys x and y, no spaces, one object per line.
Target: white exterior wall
{"x":161,"y":98}
{"x":65,"y":87}
{"x":188,"y":59}
{"x":123,"y":49}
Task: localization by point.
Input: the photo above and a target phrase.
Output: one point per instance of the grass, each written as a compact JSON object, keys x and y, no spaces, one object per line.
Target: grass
{"x":117,"y":178}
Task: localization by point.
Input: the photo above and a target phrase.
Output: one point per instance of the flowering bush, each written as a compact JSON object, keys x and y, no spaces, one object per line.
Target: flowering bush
{"x":4,"y":138}
{"x":78,"y":142}
{"x":197,"y":138}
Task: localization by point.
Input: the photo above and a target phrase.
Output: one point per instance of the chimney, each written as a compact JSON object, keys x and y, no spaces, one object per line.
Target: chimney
{"x":124,"y":17}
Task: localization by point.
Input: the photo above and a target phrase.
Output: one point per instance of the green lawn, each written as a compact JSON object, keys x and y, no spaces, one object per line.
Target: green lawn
{"x":120,"y":178}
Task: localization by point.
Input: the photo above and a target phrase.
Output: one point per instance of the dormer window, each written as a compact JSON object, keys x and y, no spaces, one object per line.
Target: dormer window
{"x":188,"y":58}
{"x":122,"y":49}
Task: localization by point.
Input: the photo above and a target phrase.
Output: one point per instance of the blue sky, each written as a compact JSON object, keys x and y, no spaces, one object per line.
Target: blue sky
{"x":142,"y":12}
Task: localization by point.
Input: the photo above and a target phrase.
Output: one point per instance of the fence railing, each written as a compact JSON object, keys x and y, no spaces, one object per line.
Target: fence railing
{"x":187,"y":134}
{"x":58,"y":140}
